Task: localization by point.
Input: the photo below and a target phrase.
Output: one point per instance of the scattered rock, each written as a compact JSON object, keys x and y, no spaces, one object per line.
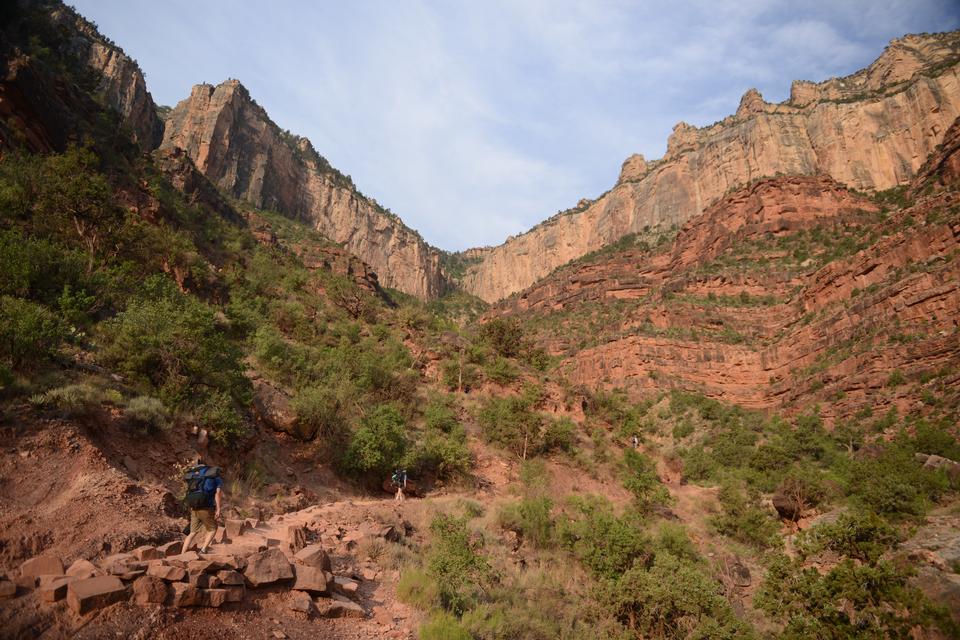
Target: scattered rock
{"x":296,"y":538}
{"x":46,"y":565}
{"x":181,"y":560}
{"x":279,"y":635}
{"x":150,"y":590}
{"x":84,"y":596}
{"x":345,"y":585}
{"x":82,"y":569}
{"x":148,"y":552}
{"x":186,"y":595}
{"x":170,"y":548}
{"x":301,"y":602}
{"x":54,"y":588}
{"x":202,"y":566}
{"x":235,"y":528}
{"x":314,"y":556}
{"x":235,"y":593}
{"x":230,"y":577}
{"x":310,"y":579}
{"x":204,"y":581}
{"x":267,"y":567}
{"x":339,"y":608}
{"x":214,"y":597}
{"x":166,"y":572}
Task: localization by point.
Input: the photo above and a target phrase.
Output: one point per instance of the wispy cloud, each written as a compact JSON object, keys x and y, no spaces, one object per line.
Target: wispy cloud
{"x":477,"y":120}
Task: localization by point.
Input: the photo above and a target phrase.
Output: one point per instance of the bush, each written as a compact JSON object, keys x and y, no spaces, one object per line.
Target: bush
{"x":453,"y":561}
{"x":457,"y":376}
{"x":861,"y":535}
{"x":606,"y":544}
{"x":418,"y":589}
{"x":29,"y":333}
{"x":639,"y":474}
{"x":505,"y":337}
{"x":147,"y":414}
{"x":743,"y":518}
{"x":72,"y":401}
{"x":443,"y":626}
{"x":379,"y":445}
{"x":444,"y":454}
{"x":440,"y":415}
{"x":320,"y":411}
{"x":674,"y":600}
{"x":501,"y":371}
{"x":531,"y":519}
{"x":218,"y":413}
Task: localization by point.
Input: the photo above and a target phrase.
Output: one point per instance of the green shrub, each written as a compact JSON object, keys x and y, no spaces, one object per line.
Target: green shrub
{"x":892,"y":484}
{"x":861,"y":535}
{"x":501,"y":371}
{"x":459,"y":376}
{"x":218,"y":412}
{"x":673,"y":600}
{"x":896,"y":378}
{"x":606,"y":544}
{"x":639,"y":475}
{"x":439,"y":414}
{"x":320,"y":411}
{"x":531,"y":519}
{"x":744,"y":519}
{"x":417,"y":588}
{"x":461,"y":573}
{"x":147,"y":414}
{"x":29,"y":333}
{"x":379,"y":445}
{"x":558,"y":435}
{"x":444,"y":454}
{"x":443,"y":626}
{"x":504,"y":336}
{"x":72,"y":401}
{"x":682,"y":429}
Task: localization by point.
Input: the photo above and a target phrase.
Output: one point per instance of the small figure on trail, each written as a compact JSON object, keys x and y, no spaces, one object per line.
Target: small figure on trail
{"x":636,"y":441}
{"x":399,"y":480}
{"x":204,"y":491}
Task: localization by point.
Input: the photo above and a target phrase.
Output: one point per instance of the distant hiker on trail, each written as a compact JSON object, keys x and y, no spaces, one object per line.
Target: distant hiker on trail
{"x":204,"y":491}
{"x":636,"y":441}
{"x":399,"y":480}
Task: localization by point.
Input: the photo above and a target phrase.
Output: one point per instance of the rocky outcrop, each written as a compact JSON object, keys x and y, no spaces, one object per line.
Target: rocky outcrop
{"x":871,"y":130}
{"x":120,"y":84}
{"x":234,"y":143}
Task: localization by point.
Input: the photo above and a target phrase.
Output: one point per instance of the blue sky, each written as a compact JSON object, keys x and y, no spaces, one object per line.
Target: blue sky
{"x":476,"y":120}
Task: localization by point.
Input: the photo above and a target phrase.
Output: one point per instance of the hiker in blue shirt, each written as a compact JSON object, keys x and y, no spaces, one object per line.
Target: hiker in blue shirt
{"x":204,"y":491}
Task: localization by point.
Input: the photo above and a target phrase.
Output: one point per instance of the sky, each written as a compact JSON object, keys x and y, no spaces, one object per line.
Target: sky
{"x":476,"y":120}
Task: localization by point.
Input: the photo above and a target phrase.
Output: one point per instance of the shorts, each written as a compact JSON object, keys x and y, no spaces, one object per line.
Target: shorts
{"x":202,"y":520}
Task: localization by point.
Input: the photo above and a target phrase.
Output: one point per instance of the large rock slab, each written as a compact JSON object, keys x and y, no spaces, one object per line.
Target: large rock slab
{"x":301,"y":603}
{"x":150,"y":590}
{"x":314,"y":556}
{"x":186,"y":595}
{"x":83,"y":569}
{"x":148,"y":552}
{"x":45,"y":565}
{"x":54,"y":588}
{"x":7,"y":589}
{"x":310,"y":579}
{"x":166,"y":572}
{"x":170,"y":548}
{"x":339,"y":608}
{"x":267,"y":567}
{"x":215,"y":597}
{"x":84,"y":596}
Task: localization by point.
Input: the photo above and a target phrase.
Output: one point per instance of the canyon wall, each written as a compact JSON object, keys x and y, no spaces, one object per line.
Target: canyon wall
{"x":234,"y":143}
{"x":871,"y":130}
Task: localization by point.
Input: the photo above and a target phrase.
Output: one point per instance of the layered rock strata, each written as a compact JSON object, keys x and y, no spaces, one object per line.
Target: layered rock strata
{"x":235,"y":144}
{"x":870,"y":130}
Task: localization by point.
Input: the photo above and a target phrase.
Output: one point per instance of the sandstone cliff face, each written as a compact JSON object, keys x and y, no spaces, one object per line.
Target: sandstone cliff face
{"x":121,"y":85}
{"x":236,"y":145}
{"x":871,"y":130}
{"x":790,"y":291}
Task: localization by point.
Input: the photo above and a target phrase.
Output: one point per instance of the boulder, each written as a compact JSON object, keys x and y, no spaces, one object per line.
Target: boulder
{"x":150,"y":590}
{"x":235,"y":593}
{"x":181,"y":560}
{"x":300,"y":602}
{"x":296,"y":538}
{"x":214,"y":597}
{"x":45,"y":565}
{"x":54,"y":588}
{"x":229,"y":577}
{"x":345,"y":585}
{"x":224,"y":561}
{"x":82,"y":569}
{"x":274,"y":408}
{"x":84,"y":596}
{"x":171,"y":548}
{"x":267,"y":567}
{"x":311,"y":579}
{"x":166,"y":572}
{"x":339,"y":608}
{"x":204,"y":581}
{"x":789,"y":508}
{"x":314,"y":556}
{"x":202,"y":566}
{"x":7,"y":589}
{"x":235,"y":528}
{"x":186,"y":595}
{"x":148,"y":552}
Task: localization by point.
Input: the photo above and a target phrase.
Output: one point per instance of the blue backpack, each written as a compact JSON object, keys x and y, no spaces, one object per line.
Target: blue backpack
{"x":201,"y":487}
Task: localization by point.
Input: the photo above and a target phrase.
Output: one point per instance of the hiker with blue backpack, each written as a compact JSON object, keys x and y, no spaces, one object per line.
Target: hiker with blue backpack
{"x":204,"y":491}
{"x":399,"y":480}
